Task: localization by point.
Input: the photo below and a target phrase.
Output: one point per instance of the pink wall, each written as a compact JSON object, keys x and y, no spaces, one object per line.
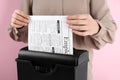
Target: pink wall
{"x":106,"y":61}
{"x":8,"y":47}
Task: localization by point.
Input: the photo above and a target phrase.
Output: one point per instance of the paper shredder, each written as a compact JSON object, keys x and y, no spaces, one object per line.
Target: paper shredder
{"x":33,"y":65}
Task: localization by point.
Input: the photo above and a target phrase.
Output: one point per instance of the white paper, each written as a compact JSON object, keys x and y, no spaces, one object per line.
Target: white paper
{"x":50,"y":34}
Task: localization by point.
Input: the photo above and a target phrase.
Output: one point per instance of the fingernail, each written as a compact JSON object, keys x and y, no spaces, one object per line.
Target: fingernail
{"x":68,"y":25}
{"x":27,"y":21}
{"x":67,"y":17}
{"x":28,"y":17}
{"x":26,"y":24}
{"x":67,"y":22}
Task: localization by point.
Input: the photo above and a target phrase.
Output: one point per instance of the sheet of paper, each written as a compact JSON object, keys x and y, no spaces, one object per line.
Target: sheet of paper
{"x":50,"y":34}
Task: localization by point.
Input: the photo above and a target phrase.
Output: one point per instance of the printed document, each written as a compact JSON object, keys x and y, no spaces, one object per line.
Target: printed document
{"x":50,"y":34}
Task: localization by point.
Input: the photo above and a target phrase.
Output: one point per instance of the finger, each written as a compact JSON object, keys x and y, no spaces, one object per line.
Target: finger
{"x":77,"y":22}
{"x":22,"y":14}
{"x":18,"y":22}
{"x":20,"y":18}
{"x":78,"y":17}
{"x":85,"y":33}
{"x":16,"y":25}
{"x":79,"y":28}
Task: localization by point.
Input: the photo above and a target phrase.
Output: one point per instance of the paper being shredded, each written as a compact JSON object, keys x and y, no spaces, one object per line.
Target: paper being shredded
{"x":50,"y":34}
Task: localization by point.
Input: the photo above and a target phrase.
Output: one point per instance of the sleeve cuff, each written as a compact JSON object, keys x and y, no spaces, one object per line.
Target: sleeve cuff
{"x":101,"y":31}
{"x":13,"y":32}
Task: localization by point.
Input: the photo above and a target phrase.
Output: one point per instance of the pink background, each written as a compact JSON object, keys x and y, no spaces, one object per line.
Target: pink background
{"x":106,"y":65}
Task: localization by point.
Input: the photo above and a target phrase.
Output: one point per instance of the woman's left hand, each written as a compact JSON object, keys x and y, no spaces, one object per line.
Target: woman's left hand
{"x":83,"y":24}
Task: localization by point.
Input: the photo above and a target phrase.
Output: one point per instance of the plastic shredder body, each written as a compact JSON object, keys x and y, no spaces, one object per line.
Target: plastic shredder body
{"x":33,"y":65}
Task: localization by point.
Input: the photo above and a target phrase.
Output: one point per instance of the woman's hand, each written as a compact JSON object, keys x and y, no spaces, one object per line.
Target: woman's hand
{"x":19,"y":19}
{"x":83,"y":24}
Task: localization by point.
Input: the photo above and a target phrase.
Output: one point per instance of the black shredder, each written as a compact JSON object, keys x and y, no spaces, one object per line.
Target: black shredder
{"x":33,"y":65}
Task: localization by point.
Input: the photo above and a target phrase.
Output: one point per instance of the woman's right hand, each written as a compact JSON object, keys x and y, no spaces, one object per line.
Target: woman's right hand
{"x":19,"y":19}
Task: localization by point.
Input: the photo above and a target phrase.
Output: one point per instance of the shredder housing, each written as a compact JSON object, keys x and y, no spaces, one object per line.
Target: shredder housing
{"x":33,"y":65}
